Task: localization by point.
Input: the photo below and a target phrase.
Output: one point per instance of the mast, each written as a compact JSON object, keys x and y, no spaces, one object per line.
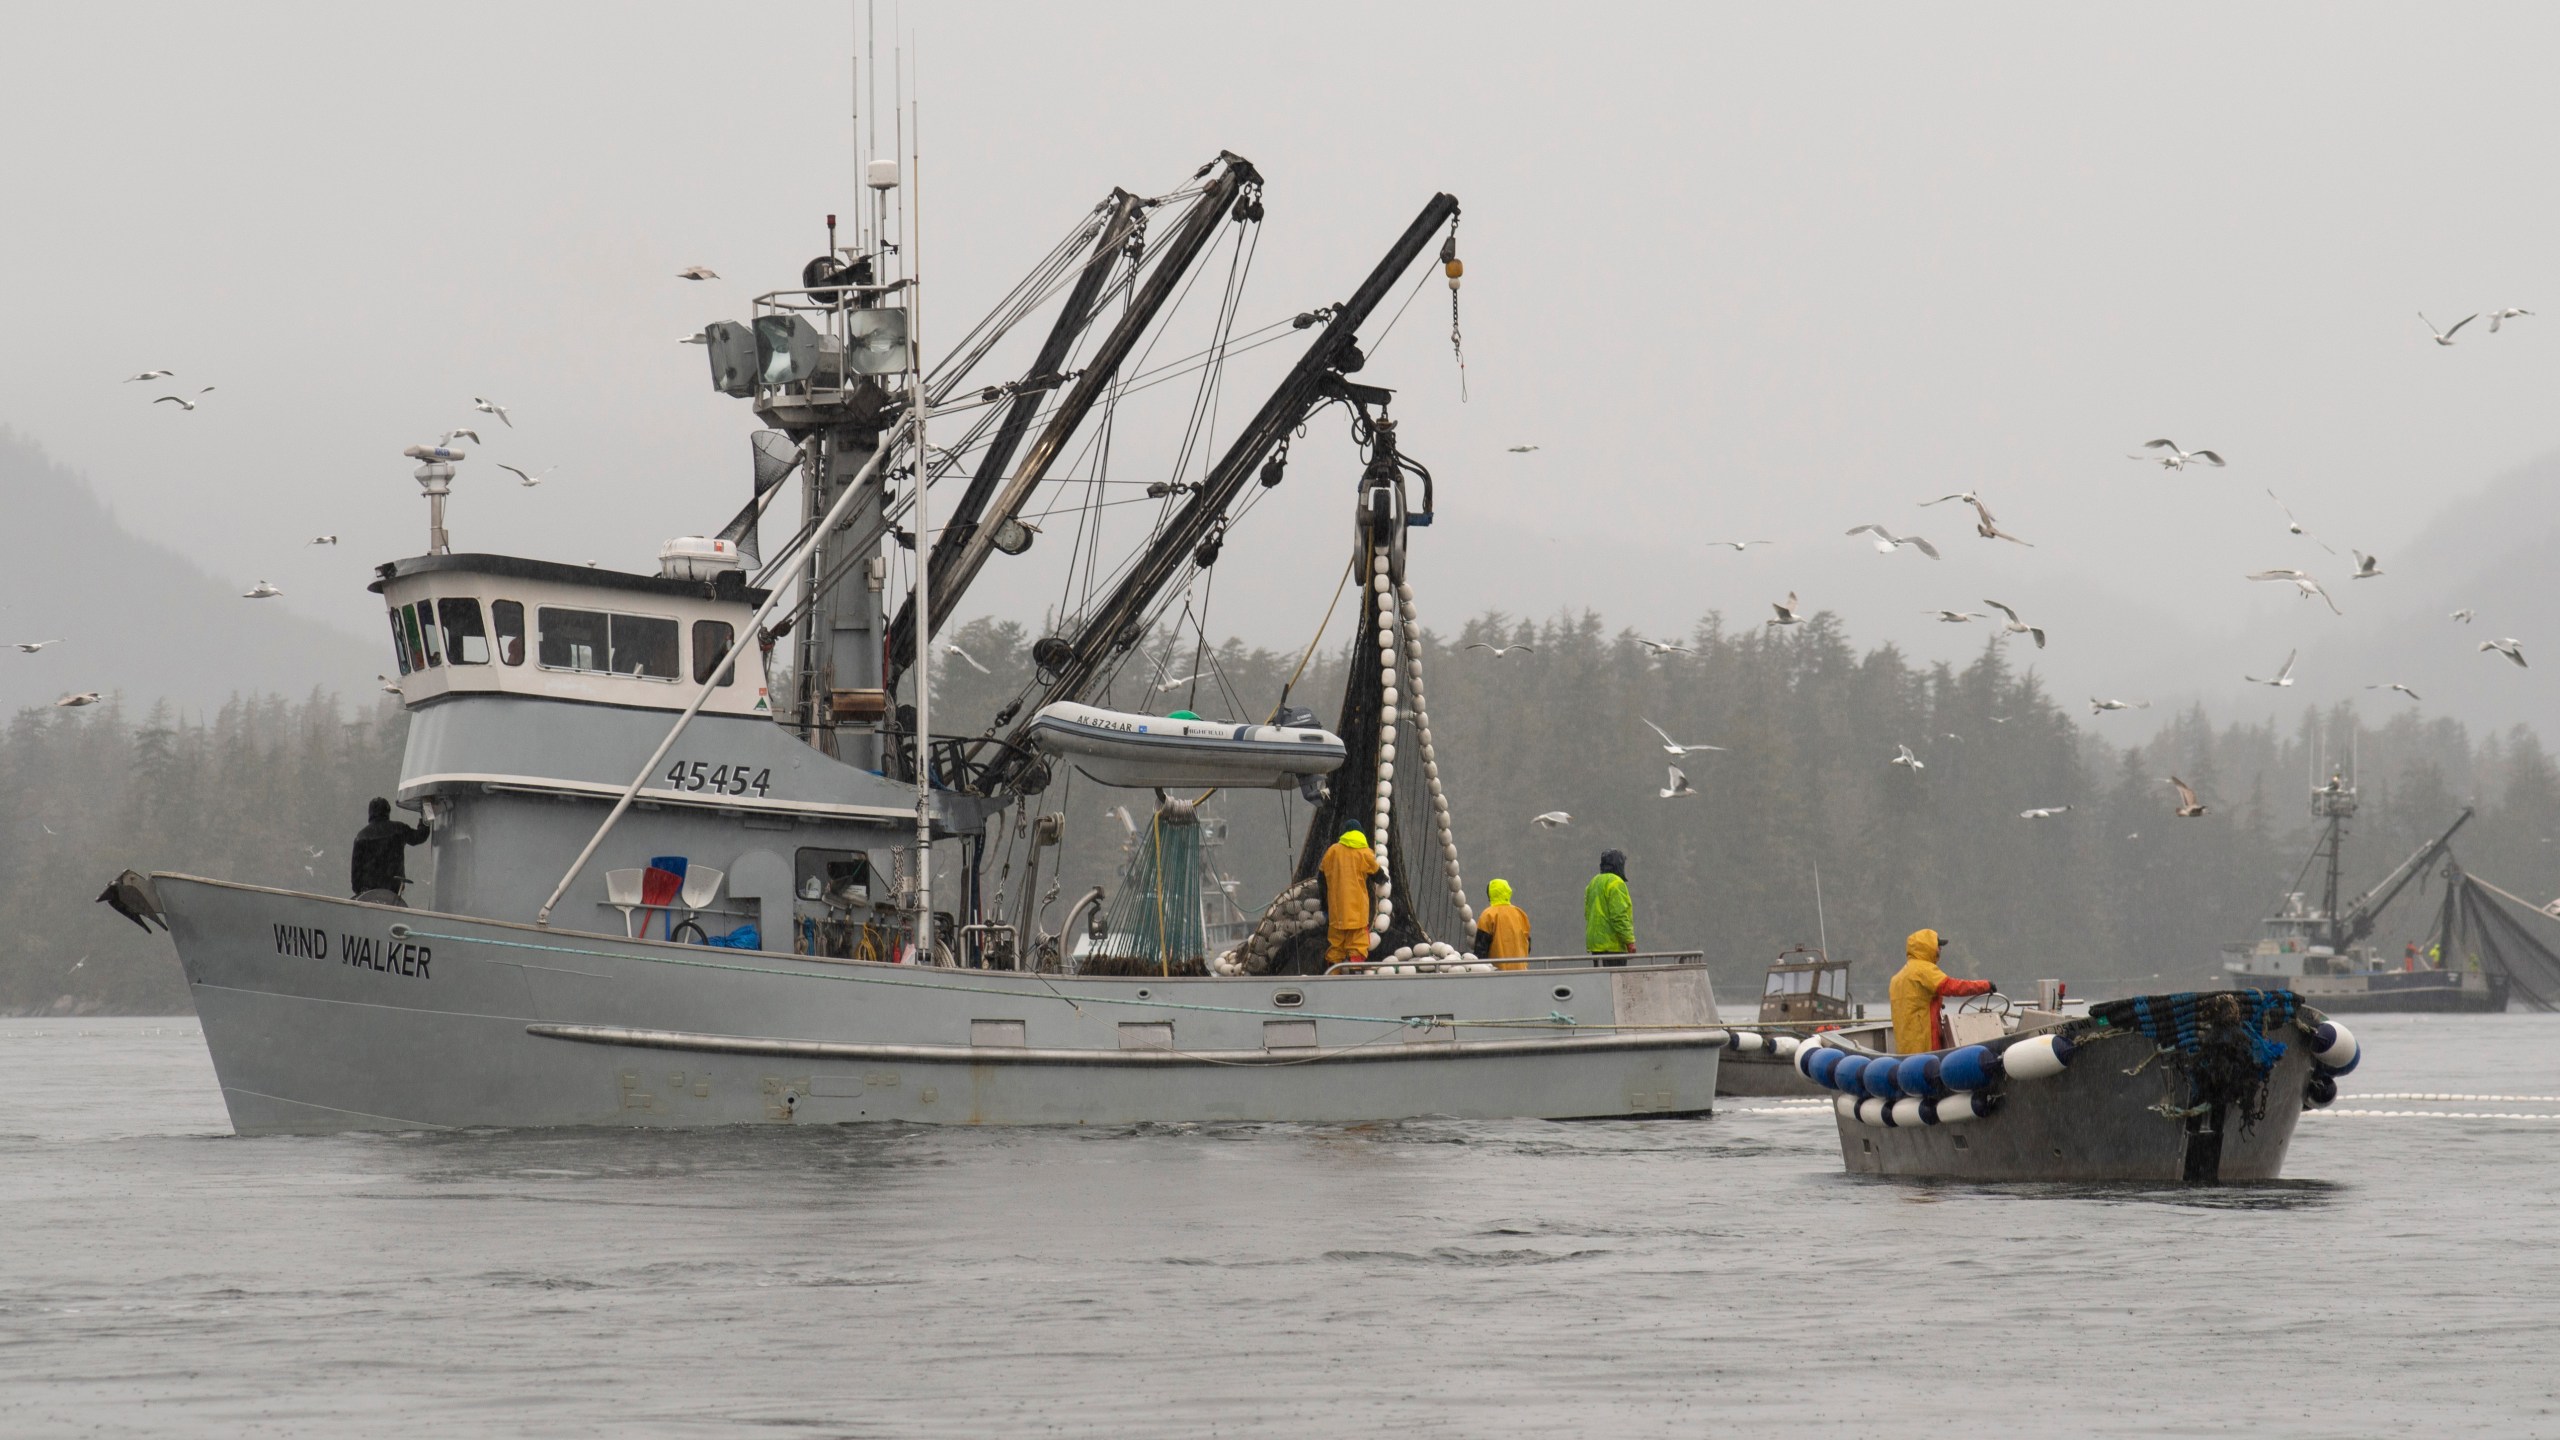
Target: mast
{"x":1074,"y":661}
{"x":2335,"y":803}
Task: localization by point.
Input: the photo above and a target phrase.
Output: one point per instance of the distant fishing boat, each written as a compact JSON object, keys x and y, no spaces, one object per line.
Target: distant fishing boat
{"x":2194,"y":1088}
{"x":1804,"y":991}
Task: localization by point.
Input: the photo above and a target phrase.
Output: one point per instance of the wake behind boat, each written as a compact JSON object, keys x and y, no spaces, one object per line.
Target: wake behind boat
{"x":678,"y":882}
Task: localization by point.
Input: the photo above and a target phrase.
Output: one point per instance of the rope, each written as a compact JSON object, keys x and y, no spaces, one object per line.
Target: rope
{"x":2431,"y":1115}
{"x":2474,"y":1099}
{"x":1316,"y":639}
{"x":1550,"y":1021}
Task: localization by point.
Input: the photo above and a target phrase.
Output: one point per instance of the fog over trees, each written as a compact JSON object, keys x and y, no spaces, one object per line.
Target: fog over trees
{"x":2113,"y":892}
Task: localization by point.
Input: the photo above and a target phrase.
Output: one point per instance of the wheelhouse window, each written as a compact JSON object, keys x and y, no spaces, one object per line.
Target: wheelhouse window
{"x":464,"y":640}
{"x":572,"y":639}
{"x":400,"y":642}
{"x":645,"y":645}
{"x":508,"y":618}
{"x":711,"y":641}
{"x":426,"y":612}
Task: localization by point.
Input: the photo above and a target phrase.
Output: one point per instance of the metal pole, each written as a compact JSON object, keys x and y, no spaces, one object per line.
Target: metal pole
{"x":924,"y":579}
{"x":718,"y":677}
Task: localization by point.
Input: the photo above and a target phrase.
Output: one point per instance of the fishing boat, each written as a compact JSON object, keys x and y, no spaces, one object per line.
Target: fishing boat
{"x":2318,"y":951}
{"x":678,"y":879}
{"x":1804,"y":991}
{"x":2172,"y":1089}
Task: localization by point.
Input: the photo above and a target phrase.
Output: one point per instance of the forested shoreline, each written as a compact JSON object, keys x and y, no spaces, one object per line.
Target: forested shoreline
{"x":2116,"y":888}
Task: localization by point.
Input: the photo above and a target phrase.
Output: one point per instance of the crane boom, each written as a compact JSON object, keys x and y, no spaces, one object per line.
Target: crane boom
{"x":2358,"y":921}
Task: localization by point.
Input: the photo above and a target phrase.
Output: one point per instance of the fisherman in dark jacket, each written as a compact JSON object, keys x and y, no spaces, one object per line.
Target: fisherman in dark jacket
{"x":375,"y":867}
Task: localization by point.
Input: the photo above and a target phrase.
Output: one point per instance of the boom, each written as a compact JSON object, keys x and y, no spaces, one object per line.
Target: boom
{"x":2358,"y":921}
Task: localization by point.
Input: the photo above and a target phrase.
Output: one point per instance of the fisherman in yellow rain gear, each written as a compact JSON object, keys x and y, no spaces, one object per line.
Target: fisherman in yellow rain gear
{"x":1916,"y":989}
{"x":1502,"y":931}
{"x":1346,"y":868}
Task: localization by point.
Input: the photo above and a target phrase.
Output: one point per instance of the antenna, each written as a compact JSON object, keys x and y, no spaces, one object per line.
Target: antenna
{"x":1821,"y":927}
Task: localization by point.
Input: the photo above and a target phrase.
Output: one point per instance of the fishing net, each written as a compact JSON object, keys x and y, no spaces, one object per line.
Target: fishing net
{"x":1153,"y":924}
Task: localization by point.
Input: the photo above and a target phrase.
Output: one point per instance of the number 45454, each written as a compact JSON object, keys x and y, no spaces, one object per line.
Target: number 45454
{"x":700,"y":775}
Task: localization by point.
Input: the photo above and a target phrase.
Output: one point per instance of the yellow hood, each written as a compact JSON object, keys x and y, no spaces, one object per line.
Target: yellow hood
{"x":1499,"y":892}
{"x":1922,"y":946}
{"x":1358,"y":841}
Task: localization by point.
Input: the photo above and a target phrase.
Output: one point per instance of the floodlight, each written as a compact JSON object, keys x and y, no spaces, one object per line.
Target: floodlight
{"x":734,"y":363}
{"x":786,"y":349}
{"x":1012,"y":536}
{"x":879,"y":340}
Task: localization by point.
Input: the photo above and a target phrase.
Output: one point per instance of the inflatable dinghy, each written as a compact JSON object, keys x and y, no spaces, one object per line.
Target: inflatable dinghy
{"x":1117,"y":747}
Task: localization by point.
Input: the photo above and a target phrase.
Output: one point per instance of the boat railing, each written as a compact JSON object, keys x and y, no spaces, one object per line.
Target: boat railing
{"x":1528,"y":962}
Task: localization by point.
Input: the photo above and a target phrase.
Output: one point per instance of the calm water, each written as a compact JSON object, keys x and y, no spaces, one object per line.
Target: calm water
{"x":164,"y":1277}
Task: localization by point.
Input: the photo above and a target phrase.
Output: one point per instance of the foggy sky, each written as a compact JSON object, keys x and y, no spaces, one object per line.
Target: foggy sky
{"x":1747,"y":273}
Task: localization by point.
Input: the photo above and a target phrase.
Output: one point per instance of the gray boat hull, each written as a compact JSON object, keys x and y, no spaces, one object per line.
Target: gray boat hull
{"x":330,"y":1015}
{"x":2109,"y":1118}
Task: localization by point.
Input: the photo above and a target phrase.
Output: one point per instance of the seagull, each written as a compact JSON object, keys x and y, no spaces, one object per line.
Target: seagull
{"x":260,"y":591}
{"x":2101,"y":707}
{"x":697,"y":272}
{"x":2367,"y":566}
{"x":2176,"y":459}
{"x":1501,"y":650}
{"x":452,"y":435}
{"x":1984,"y":525}
{"x":1738,"y":546}
{"x":2445,"y":337}
{"x":2465,"y":616}
{"x":1999,"y":719}
{"x":2044,"y":812}
{"x":165,"y":374}
{"x":2507,"y":647}
{"x":2302,"y":583}
{"x":2395,"y":685}
{"x":1553,"y":819}
{"x":389,"y":685}
{"x":1907,"y":759}
{"x":487,"y":406}
{"x":2495,"y":316}
{"x":1659,"y":648}
{"x":1956,"y":617}
{"x":2188,"y":806}
{"x":1679,"y":788}
{"x":529,"y":480}
{"x":178,"y":400}
{"x":324,"y":539}
{"x":1524,"y":449}
{"x":77,"y":699}
{"x":698,"y":337}
{"x":1176,"y":683}
{"x":967,"y":658}
{"x":32,"y":646}
{"x":1887,"y":542}
{"x":2283,"y":677}
{"x":1674,"y":748}
{"x":2293,"y":526}
{"x":2016,"y":626}
{"x":1786,"y":613}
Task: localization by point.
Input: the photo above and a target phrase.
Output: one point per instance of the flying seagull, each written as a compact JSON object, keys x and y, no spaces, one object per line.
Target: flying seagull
{"x":1679,"y":788}
{"x":964,"y":656}
{"x":389,"y":685}
{"x":1786,"y":612}
{"x":487,"y":406}
{"x":1658,"y":648}
{"x":1984,"y":525}
{"x":1907,"y":760}
{"x":1501,"y":650}
{"x":32,"y":646}
{"x":2395,"y":685}
{"x":2301,"y":582}
{"x":2445,"y":337}
{"x":2188,"y":806}
{"x":2016,"y":626}
{"x":1674,"y":748}
{"x":2464,"y":615}
{"x":698,"y":337}
{"x":260,"y":591}
{"x":150,"y":375}
{"x":178,"y":400}
{"x":1524,"y":449}
{"x":2283,"y":677}
{"x":2367,"y":566}
{"x":1174,"y":683}
{"x":2176,"y":459}
{"x":2101,"y":707}
{"x":2294,"y":526}
{"x":2044,"y":812}
{"x":1738,"y":546}
{"x":78,"y":698}
{"x":1887,"y":542}
{"x":697,"y":272}
{"x":1956,"y":617}
{"x":2496,"y":316}
{"x":1551,"y":820}
{"x":529,"y":481}
{"x":2509,"y":648}
{"x":324,"y":539}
